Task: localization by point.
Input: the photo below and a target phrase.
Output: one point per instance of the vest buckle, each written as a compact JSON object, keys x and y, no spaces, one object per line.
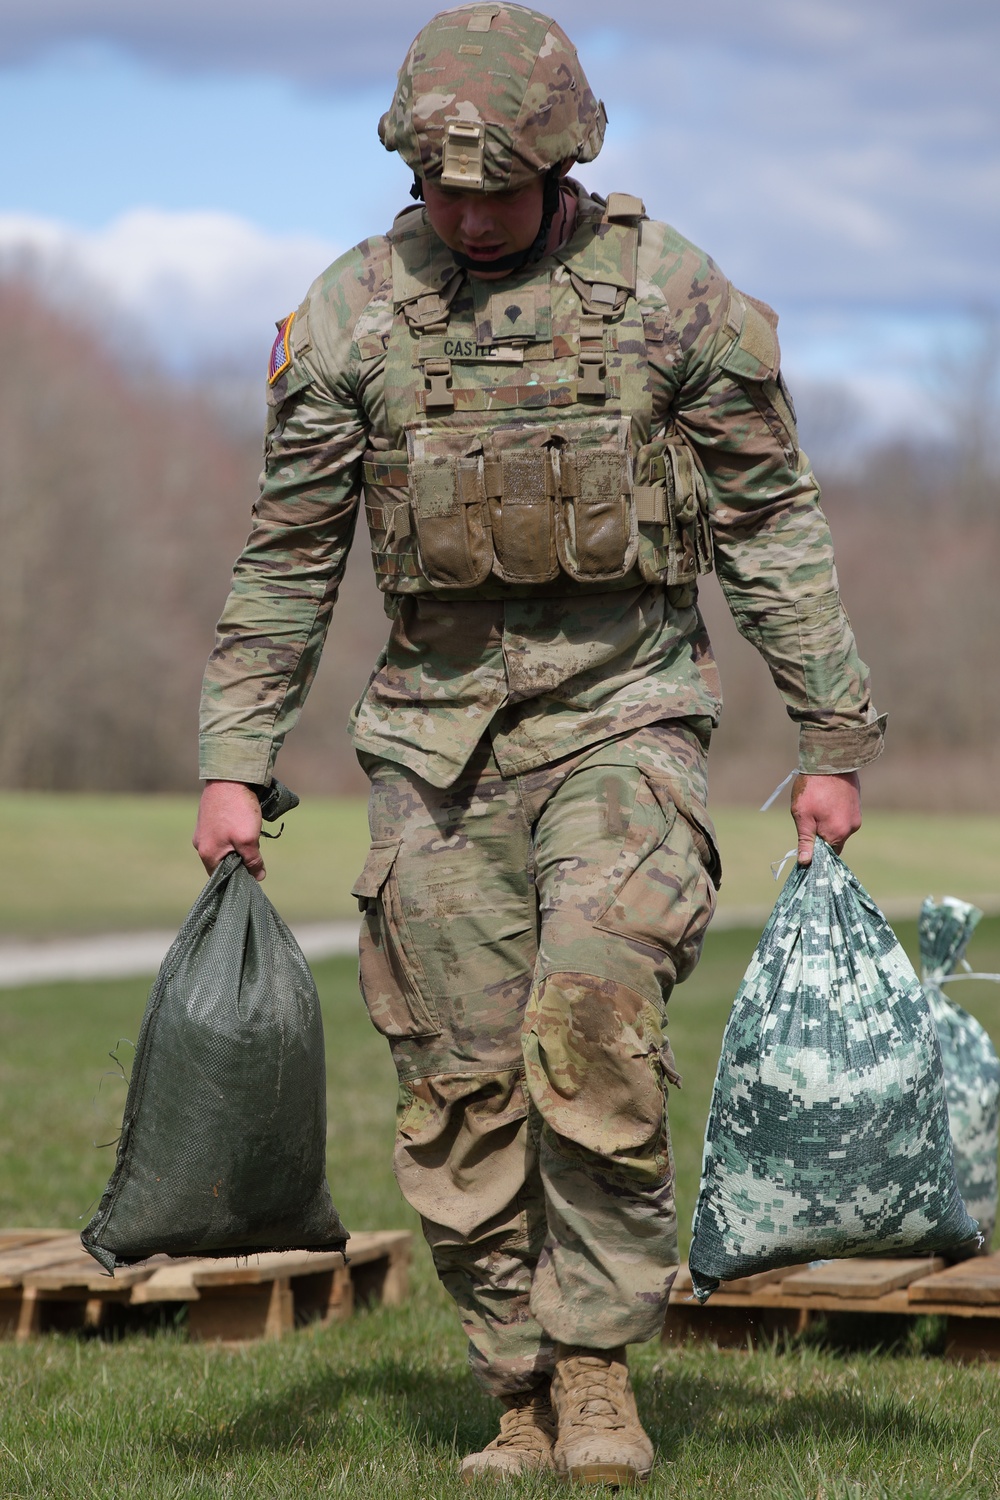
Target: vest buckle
{"x":592,"y":373}
{"x":437,"y":376}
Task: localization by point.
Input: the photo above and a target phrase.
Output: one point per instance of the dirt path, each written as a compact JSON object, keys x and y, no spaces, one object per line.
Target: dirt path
{"x":117,"y":955}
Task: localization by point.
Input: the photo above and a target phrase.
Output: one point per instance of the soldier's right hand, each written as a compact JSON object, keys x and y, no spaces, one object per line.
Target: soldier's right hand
{"x":229,"y":819}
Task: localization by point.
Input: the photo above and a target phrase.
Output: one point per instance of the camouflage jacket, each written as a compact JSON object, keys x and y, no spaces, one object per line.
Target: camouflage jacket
{"x":549,"y":674}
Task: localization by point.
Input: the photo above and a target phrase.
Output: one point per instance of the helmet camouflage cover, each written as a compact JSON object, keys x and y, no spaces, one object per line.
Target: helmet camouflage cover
{"x":489,"y":97}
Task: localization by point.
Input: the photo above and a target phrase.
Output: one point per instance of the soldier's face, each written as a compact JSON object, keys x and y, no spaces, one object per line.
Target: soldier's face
{"x":485,"y":226}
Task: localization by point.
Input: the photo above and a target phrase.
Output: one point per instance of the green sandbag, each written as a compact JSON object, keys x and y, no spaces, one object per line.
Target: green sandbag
{"x":971,"y":1065}
{"x":828,"y":1129}
{"x":223,"y":1142}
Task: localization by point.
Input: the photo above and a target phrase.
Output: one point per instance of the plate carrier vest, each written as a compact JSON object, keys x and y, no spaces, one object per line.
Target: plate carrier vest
{"x":522,"y":410}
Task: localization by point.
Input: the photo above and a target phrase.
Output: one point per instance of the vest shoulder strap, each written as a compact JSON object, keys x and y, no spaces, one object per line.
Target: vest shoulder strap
{"x":425,"y":277}
{"x":603,"y":263}
{"x":623,"y":206}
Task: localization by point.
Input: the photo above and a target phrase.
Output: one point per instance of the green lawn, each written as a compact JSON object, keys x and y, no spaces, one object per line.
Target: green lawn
{"x":96,"y":863}
{"x":381,"y":1407}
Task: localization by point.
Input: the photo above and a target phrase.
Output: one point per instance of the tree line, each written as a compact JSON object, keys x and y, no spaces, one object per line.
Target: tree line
{"x":124,"y":498}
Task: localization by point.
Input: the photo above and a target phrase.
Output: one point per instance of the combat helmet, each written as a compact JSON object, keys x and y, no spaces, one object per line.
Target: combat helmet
{"x":490,"y":97}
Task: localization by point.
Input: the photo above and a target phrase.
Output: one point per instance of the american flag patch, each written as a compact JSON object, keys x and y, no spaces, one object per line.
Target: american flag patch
{"x":281,"y":352}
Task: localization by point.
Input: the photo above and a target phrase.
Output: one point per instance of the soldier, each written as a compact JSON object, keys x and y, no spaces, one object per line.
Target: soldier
{"x":560,"y":413}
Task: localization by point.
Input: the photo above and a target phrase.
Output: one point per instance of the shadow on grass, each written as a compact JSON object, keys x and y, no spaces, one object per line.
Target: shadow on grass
{"x":680,"y":1409}
{"x":875,"y":1333}
{"x":392,"y":1403}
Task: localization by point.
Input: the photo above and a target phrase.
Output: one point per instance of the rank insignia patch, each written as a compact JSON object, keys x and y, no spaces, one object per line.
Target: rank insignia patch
{"x":281,"y":351}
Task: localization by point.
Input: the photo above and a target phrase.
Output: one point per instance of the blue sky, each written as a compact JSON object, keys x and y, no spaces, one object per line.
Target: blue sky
{"x":100,"y":131}
{"x":199,"y":163}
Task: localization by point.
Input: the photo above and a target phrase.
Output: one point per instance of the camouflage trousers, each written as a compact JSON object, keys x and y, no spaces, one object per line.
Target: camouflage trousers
{"x":521,"y":938}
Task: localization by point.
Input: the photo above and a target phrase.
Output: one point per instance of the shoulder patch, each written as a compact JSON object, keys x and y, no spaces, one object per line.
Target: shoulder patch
{"x":281,"y":350}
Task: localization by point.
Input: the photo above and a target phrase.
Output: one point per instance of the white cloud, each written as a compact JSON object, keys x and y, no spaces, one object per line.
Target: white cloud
{"x":830,"y":179}
{"x":204,"y":288}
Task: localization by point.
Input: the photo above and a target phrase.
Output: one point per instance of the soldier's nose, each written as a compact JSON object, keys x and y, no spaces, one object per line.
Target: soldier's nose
{"x":477,"y":220}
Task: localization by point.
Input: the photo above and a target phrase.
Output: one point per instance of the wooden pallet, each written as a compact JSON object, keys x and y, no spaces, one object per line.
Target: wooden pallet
{"x":742,"y":1313}
{"x":49,"y":1282}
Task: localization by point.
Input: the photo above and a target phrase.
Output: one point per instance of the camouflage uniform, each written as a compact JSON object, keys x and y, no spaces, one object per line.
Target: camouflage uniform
{"x":548,"y":462}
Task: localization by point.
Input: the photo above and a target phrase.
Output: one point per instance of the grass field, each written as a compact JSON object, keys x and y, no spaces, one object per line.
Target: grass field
{"x":382,"y":1406}
{"x":97,"y":863}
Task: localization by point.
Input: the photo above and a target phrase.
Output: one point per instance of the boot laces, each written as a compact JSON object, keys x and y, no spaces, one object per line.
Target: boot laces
{"x":528,"y":1426}
{"x":598,"y":1397}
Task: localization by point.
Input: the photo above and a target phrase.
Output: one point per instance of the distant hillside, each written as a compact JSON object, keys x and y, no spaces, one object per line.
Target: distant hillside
{"x":124,"y":498}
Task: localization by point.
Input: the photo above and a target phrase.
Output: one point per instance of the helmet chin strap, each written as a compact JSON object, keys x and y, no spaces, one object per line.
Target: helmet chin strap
{"x":518,"y":258}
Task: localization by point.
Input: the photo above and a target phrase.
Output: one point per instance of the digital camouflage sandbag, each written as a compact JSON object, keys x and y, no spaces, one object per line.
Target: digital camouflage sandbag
{"x":828,"y":1131}
{"x":223,"y":1142}
{"x":971,"y":1065}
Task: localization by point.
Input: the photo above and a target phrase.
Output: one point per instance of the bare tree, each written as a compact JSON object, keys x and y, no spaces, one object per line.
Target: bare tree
{"x":124,"y":499}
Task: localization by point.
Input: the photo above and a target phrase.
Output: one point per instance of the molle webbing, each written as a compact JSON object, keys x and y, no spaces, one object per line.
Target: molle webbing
{"x":509,"y":476}
{"x":518,"y":417}
{"x":604,"y":277}
{"x":524,"y":514}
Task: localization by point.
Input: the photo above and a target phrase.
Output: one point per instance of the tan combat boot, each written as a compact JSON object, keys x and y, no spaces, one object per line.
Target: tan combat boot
{"x":524,"y":1442}
{"x":601,"y":1440}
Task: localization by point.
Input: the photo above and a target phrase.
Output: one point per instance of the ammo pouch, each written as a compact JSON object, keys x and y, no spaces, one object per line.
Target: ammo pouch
{"x":596,"y":533}
{"x":528,"y":514}
{"x":451,"y":521}
{"x":523,"y":515}
{"x":671,"y":503}
{"x":522,"y":488}
{"x":555,"y":508}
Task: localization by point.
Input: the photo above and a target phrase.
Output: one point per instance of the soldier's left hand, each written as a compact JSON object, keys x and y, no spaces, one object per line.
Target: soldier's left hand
{"x":828,"y":807}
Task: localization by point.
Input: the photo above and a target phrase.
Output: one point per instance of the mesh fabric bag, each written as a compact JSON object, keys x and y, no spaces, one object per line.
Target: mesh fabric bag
{"x":828,"y":1130}
{"x":971,"y":1065}
{"x":223,"y":1142}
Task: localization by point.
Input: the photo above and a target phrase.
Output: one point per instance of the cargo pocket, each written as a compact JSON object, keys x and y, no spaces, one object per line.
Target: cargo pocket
{"x":822,"y":628}
{"x":661,"y":893}
{"x":391,"y":976}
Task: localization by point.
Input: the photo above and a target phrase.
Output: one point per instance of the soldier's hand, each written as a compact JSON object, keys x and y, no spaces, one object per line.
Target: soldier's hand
{"x":828,"y":807}
{"x":229,"y":819}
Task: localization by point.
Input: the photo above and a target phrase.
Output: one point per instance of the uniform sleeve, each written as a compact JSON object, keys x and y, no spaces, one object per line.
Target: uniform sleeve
{"x":772,"y":544}
{"x":286,"y":580}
